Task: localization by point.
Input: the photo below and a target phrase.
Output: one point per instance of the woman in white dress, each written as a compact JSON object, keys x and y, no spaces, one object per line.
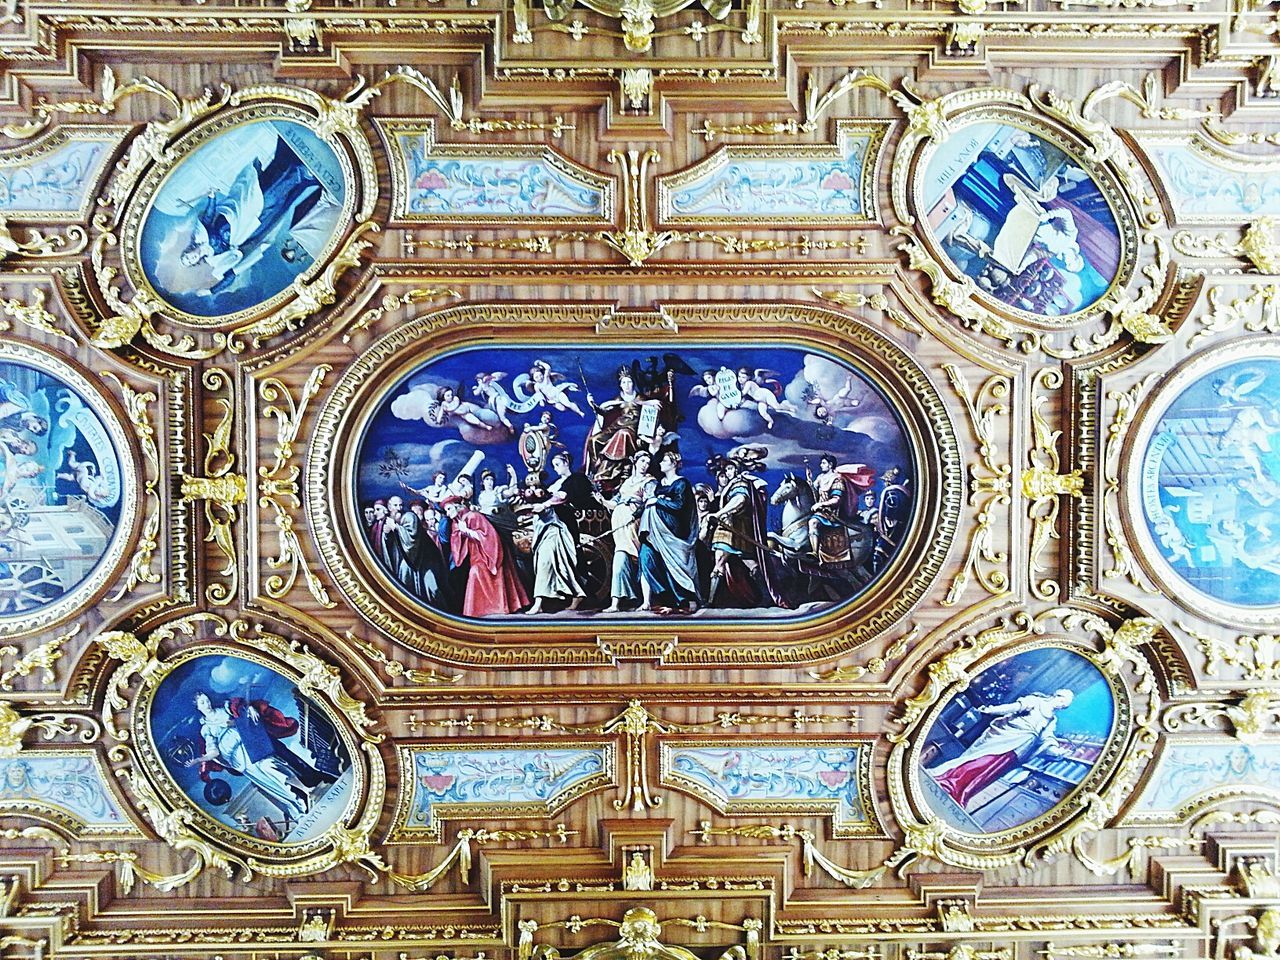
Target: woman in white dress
{"x":225,"y":746}
{"x":1022,"y":729}
{"x":555,"y":555}
{"x":624,"y":521}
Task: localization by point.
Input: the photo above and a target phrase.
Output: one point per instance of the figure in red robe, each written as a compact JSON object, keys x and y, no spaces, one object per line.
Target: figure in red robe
{"x":245,"y":738}
{"x":493,"y":585}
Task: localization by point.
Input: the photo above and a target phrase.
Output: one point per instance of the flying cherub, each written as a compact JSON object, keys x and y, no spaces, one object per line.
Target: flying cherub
{"x":541,"y":386}
{"x":85,"y":474}
{"x":490,"y":390}
{"x":825,"y":408}
{"x":449,"y":407}
{"x":710,"y":388}
{"x":762,"y":388}
{"x":1240,"y":384}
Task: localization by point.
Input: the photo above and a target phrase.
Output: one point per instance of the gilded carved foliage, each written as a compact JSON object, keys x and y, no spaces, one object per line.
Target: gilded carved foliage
{"x":138,"y":407}
{"x":278,"y":485}
{"x":990,"y":486}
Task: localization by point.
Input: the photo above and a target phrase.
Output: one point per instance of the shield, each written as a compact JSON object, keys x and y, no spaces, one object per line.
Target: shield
{"x":535,"y":446}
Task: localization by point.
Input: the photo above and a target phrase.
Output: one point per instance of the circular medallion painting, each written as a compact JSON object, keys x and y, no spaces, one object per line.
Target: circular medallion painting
{"x":1024,"y":735}
{"x":242,"y":217}
{"x":1210,"y":482}
{"x":1022,"y":218}
{"x":250,"y":751}
{"x":633,"y":483}
{"x":64,"y":495}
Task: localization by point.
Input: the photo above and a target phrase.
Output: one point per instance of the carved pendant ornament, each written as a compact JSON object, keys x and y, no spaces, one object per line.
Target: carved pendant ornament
{"x":635,"y":485}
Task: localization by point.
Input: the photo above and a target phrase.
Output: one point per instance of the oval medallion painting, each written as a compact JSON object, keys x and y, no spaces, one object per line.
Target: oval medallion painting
{"x":243,"y":216}
{"x":62,"y":487}
{"x":1024,"y":735}
{"x":593,"y":483}
{"x":1211,"y":482}
{"x":250,"y":751}
{"x":1022,"y":218}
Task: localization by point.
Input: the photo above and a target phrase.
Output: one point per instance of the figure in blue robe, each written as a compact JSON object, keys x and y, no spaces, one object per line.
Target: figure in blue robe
{"x":668,"y":536}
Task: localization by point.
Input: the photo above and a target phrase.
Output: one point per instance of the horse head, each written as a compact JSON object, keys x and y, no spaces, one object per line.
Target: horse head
{"x":787,"y":490}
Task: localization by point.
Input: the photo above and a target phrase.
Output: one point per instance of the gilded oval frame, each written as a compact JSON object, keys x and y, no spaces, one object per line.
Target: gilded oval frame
{"x":361,"y":811}
{"x":113,"y":559}
{"x":1018,"y":844}
{"x":904,"y":383}
{"x":990,"y":105}
{"x":1136,"y":442}
{"x":301,"y":106}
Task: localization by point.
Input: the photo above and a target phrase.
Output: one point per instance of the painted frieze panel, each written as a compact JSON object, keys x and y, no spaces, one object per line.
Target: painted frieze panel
{"x":833,"y":185}
{"x":68,"y":789}
{"x":455,"y":183}
{"x":457,"y":781}
{"x":1208,"y":183}
{"x":1197,"y":775}
{"x":57,"y":176}
{"x":741,"y":777}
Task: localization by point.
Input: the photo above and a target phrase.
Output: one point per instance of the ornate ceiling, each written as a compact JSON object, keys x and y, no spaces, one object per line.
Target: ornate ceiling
{"x":734,"y":480}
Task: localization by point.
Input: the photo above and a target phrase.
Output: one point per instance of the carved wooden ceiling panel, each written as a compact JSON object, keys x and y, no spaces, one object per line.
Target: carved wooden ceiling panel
{"x":735,"y":480}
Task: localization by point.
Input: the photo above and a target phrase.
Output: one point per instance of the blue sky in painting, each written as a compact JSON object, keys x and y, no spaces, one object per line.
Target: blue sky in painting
{"x":871,"y":434}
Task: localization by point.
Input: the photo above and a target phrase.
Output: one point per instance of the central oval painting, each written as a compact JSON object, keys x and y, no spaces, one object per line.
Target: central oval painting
{"x":1017,"y":742}
{"x":240,"y":218}
{"x":533,"y":482}
{"x":1022,"y":218}
{"x":250,"y":750}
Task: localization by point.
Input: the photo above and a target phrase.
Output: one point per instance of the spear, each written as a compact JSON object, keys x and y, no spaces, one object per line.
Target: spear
{"x":582,"y":375}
